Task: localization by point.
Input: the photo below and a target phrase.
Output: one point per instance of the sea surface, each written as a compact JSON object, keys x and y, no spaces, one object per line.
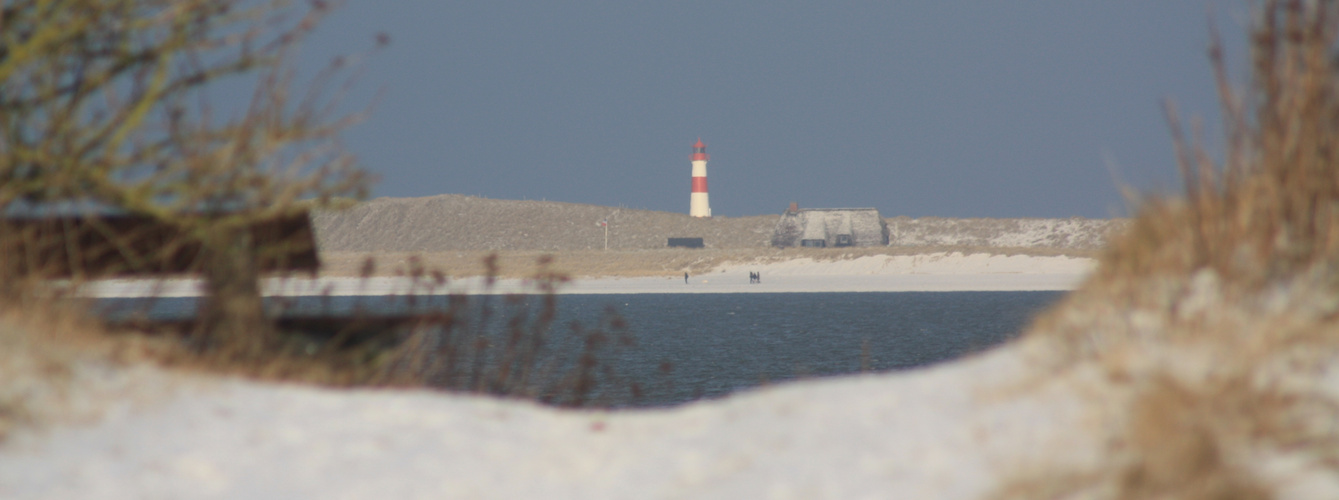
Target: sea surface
{"x":675,"y":348}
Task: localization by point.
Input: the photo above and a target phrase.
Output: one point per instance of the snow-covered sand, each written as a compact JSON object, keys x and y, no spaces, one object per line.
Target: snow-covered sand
{"x":879,"y":273}
{"x":955,"y":431}
{"x":952,"y":432}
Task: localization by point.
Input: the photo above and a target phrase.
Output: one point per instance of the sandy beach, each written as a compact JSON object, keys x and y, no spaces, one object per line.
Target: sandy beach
{"x":877,"y":273}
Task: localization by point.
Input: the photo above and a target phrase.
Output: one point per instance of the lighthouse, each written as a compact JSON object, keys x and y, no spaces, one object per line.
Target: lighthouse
{"x":697,"y":201}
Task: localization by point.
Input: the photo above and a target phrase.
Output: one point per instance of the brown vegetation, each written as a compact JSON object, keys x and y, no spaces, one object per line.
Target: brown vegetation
{"x":104,"y":117}
{"x":58,"y":366}
{"x":104,"y":113}
{"x":1215,"y":318}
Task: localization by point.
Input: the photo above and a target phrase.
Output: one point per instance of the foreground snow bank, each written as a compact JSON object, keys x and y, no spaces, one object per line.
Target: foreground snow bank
{"x":948,"y":432}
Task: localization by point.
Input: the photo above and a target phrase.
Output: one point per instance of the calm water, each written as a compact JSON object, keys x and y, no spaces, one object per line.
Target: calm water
{"x":690,"y":346}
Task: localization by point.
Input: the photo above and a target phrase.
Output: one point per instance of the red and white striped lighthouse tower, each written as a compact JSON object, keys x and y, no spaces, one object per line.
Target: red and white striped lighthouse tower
{"x":697,"y":202}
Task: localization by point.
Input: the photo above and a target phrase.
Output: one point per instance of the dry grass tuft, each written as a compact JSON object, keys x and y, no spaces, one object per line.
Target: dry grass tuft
{"x":1271,"y":210}
{"x":1235,"y":430}
{"x":1252,"y":228}
{"x":1216,"y":316}
{"x":42,"y":349}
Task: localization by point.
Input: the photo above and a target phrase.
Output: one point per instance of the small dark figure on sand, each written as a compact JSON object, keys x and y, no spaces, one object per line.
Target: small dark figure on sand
{"x":685,"y":278}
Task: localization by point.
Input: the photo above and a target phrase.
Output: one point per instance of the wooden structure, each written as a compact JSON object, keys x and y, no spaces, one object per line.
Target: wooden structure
{"x":100,"y":246}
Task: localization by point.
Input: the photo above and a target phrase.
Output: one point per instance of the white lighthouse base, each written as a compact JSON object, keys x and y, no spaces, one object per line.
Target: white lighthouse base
{"x":698,"y":206}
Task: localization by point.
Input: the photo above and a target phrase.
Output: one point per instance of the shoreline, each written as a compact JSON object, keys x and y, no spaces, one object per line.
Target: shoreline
{"x":917,"y":273}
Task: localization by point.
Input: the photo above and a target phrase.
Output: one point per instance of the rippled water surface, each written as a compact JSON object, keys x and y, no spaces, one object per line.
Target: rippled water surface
{"x":690,"y":346}
{"x":719,"y":344}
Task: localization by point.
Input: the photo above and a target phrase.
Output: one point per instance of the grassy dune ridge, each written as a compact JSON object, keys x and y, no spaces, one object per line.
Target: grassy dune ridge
{"x":452,"y":222}
{"x":453,"y":233}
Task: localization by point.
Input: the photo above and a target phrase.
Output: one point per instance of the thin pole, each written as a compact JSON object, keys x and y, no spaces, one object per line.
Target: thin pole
{"x":606,"y":235}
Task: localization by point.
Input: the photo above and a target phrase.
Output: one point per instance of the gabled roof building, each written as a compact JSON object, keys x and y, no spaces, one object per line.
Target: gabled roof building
{"x":830,"y":227}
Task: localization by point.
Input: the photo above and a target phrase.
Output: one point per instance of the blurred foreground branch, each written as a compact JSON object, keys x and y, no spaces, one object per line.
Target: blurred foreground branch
{"x":105,"y":108}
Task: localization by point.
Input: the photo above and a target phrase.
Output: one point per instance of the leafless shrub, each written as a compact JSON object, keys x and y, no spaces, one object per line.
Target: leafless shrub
{"x":105,"y":109}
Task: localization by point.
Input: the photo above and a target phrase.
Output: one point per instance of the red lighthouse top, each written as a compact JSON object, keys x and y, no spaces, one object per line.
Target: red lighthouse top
{"x":700,"y":151}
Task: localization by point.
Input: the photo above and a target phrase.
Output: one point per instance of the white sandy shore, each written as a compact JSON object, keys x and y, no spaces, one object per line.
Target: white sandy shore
{"x":880,"y":273}
{"x":953,"y":432}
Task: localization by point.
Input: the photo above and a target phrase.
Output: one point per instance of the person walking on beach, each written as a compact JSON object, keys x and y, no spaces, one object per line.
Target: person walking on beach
{"x":685,"y":278}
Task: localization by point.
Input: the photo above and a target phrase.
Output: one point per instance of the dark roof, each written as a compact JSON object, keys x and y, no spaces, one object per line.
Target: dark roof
{"x":93,"y":246}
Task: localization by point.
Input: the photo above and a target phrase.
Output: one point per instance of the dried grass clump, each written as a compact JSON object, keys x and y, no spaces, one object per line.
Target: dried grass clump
{"x":1271,"y":210}
{"x":1265,"y":218}
{"x":56,"y":366}
{"x":1225,"y":403}
{"x":1216,"y":317}
{"x":32,"y":373}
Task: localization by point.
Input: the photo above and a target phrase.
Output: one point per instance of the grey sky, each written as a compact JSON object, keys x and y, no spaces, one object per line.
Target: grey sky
{"x":956,"y":109}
